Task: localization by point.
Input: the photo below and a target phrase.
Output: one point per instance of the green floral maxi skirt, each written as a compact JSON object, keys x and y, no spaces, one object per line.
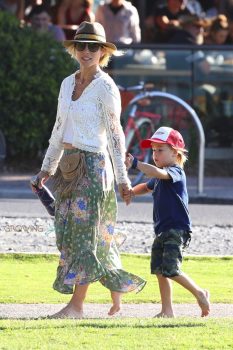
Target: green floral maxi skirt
{"x":85,"y":236}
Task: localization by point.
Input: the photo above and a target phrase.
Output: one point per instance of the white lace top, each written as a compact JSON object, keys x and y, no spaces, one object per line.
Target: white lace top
{"x":68,"y":130}
{"x":96,"y":123}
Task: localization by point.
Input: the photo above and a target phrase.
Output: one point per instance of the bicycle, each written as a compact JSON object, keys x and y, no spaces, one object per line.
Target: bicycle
{"x":140,"y":125}
{"x":148,"y":110}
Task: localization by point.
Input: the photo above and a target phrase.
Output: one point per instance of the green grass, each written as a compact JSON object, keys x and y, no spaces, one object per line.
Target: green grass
{"x":26,"y":278}
{"x":128,"y":334}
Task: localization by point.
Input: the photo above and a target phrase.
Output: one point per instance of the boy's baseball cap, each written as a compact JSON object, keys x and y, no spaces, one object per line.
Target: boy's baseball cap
{"x":165,"y":135}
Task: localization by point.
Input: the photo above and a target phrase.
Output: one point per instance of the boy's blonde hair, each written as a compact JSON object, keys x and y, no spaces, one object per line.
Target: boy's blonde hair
{"x":181,"y":156}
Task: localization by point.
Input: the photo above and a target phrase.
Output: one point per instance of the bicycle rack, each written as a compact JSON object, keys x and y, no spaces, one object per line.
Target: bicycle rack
{"x":201,"y":134}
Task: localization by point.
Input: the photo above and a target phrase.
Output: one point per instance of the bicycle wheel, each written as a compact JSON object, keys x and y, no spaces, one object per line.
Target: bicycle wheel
{"x":144,"y":130}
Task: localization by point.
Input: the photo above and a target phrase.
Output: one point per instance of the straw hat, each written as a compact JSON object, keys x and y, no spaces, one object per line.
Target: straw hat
{"x":90,"y":33}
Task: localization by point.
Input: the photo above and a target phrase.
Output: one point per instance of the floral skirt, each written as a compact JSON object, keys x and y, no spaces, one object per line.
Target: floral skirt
{"x":85,"y":233}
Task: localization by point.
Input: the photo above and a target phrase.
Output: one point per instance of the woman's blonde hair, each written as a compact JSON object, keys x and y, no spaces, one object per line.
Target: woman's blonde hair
{"x":104,"y":60}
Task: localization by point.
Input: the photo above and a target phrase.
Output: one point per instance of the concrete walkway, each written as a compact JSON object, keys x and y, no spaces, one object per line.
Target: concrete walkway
{"x":217,"y":190}
{"x":32,"y":311}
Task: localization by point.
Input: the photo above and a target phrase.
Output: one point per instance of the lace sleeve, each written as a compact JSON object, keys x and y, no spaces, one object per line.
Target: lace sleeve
{"x":110,"y":105}
{"x":55,"y":149}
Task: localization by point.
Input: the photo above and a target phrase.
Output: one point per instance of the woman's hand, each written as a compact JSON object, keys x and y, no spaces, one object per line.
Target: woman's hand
{"x":126,"y":192}
{"x":41,"y":178}
{"x":128,"y":160}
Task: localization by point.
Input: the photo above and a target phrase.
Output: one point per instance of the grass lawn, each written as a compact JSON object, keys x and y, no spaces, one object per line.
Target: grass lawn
{"x":127,"y":334}
{"x":26,"y":278}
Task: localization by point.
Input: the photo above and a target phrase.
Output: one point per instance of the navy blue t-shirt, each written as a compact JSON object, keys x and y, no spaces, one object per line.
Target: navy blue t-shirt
{"x":170,"y":201}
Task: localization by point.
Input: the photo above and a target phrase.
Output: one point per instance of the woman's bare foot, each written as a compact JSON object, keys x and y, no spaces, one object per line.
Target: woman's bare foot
{"x":203,"y":299}
{"x":116,"y":300}
{"x":67,"y":312}
{"x":114,"y":309}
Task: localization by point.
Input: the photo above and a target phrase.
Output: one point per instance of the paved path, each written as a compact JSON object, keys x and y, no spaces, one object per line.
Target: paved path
{"x":217,"y":190}
{"x":26,"y":311}
{"x":137,"y":211}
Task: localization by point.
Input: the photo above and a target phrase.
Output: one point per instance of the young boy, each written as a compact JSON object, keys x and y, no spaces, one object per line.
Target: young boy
{"x":172,"y":224}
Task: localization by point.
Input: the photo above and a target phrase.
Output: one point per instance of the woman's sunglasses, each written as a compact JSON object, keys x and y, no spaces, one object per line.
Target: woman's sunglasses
{"x":92,"y":47}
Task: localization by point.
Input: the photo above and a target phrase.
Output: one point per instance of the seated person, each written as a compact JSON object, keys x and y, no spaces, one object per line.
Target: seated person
{"x":120,"y":20}
{"x":40,"y":20}
{"x":229,"y":39}
{"x":218,"y":31}
{"x":211,"y":7}
{"x":16,"y":7}
{"x":72,"y":13}
{"x":194,"y":7}
{"x":191,"y":32}
{"x":161,"y":24}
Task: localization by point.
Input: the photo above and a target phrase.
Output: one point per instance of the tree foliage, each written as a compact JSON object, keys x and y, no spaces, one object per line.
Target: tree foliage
{"x":32,"y":67}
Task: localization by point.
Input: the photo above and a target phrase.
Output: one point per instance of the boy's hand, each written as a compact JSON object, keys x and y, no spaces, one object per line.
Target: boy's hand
{"x":128,"y":160}
{"x":127,"y":196}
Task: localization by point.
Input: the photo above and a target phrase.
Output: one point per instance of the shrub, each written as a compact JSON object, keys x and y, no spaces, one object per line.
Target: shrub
{"x":32,"y":67}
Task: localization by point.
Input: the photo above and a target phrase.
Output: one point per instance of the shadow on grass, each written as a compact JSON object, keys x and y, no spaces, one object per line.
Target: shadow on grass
{"x":141,"y":325}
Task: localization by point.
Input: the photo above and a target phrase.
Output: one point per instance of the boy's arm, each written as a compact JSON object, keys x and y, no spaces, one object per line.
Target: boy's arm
{"x":140,"y":189}
{"x":136,"y":191}
{"x":147,"y":169}
{"x":152,"y":171}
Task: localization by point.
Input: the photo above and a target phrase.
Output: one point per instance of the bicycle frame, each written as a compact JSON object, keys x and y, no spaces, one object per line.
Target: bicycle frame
{"x":143,"y":117}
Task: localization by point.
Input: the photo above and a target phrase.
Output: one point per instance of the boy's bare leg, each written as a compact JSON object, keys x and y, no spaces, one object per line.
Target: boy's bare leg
{"x":165,"y":287}
{"x":200,"y":294}
{"x":116,"y":301}
{"x":74,"y":309}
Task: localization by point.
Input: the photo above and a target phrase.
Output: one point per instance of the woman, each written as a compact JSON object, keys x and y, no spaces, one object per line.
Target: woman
{"x":86,"y":127}
{"x":15,"y":7}
{"x":72,"y":13}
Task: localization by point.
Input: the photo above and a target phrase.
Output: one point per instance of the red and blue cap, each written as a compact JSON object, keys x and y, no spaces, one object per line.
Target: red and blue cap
{"x":165,"y":135}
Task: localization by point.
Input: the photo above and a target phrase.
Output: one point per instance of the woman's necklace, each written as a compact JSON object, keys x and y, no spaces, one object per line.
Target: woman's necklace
{"x":80,"y":85}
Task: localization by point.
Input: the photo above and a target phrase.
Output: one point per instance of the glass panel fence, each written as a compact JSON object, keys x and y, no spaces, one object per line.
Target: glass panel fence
{"x":202,"y":77}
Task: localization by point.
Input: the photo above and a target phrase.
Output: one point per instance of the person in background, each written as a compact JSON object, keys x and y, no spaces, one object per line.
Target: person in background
{"x":212,"y":7}
{"x":87,"y":142}
{"x":218,"y":31}
{"x":172,"y":223}
{"x":194,"y":7}
{"x":40,"y":21}
{"x":190,"y":31}
{"x":15,"y":7}
{"x":230,"y":34}
{"x":72,"y":13}
{"x":120,"y":20}
{"x":161,"y":24}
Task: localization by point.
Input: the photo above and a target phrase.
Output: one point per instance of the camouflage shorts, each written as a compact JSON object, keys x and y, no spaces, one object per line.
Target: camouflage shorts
{"x":166,"y":254}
